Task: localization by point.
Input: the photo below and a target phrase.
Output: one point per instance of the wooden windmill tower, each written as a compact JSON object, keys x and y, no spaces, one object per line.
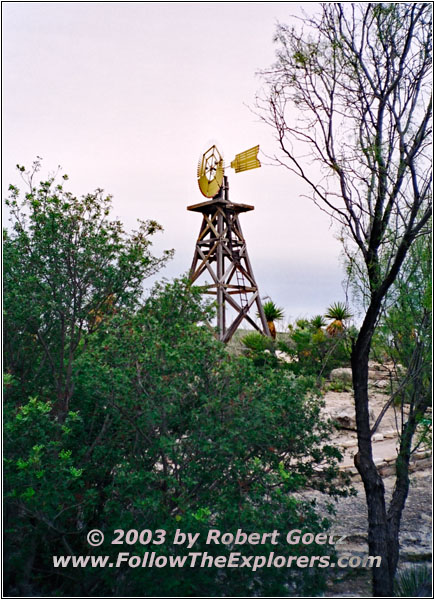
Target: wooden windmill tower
{"x":220,"y":250}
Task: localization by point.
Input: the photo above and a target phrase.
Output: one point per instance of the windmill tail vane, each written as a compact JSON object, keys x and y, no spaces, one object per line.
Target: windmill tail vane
{"x":246,"y":160}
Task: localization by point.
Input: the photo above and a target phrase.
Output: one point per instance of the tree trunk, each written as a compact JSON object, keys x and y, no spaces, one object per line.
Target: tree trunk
{"x":396,"y":507}
{"x":379,"y":541}
{"x":383,"y":526}
{"x":400,"y":493}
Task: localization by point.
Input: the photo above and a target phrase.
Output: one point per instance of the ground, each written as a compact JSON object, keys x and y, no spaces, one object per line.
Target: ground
{"x":415,"y":538}
{"x":351,"y":513}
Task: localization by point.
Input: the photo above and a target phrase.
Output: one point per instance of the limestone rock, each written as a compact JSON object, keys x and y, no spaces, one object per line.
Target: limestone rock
{"x":341,"y":374}
{"x":381,"y":384}
{"x":345,"y":416}
{"x":284,"y":356}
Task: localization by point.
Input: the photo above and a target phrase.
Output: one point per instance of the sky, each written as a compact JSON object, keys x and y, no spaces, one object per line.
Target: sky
{"x":127,"y":96}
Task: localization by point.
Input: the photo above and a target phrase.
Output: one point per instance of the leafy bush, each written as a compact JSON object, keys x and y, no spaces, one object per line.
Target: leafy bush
{"x":67,"y":266}
{"x":123,"y":414}
{"x":260,"y":349}
{"x":168,"y":431}
{"x":314,"y":350}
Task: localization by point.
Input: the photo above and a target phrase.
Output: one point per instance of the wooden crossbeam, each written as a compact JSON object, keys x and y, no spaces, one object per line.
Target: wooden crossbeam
{"x":204,"y":262}
{"x":209,"y":225}
{"x":207,"y":265}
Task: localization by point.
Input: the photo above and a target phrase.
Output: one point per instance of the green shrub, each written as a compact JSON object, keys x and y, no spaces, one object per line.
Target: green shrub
{"x":165,"y":431}
{"x":260,"y":349}
{"x":314,"y":351}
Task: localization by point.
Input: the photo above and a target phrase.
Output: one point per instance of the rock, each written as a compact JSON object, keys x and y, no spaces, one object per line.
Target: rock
{"x":375,"y":366}
{"x":350,"y":444}
{"x":386,"y":367}
{"x":377,"y":437}
{"x":345,"y":416}
{"x":378,"y":375}
{"x":422,"y":454}
{"x":423,"y":474}
{"x":391,"y":459}
{"x":382,"y":374}
{"x":386,"y":471}
{"x":342,"y":374}
{"x":425,"y":463}
{"x":284,"y":356}
{"x":381,"y":384}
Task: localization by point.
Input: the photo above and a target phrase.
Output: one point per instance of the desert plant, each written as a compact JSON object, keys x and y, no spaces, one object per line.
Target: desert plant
{"x":338,"y":312}
{"x":315,"y":352}
{"x":259,"y":348}
{"x":415,"y":582}
{"x":318,"y":322}
{"x":273,"y":313}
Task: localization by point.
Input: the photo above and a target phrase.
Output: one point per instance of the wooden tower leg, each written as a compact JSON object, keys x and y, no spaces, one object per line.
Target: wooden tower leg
{"x":220,"y":283}
{"x":258,"y":302}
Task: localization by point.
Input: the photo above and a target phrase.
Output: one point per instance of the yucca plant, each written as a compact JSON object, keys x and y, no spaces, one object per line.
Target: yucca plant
{"x":260,"y":349}
{"x":302,"y":323}
{"x":318,"y":322}
{"x":257,"y":342}
{"x":272,"y":313}
{"x":338,"y":312}
{"x":415,"y":582}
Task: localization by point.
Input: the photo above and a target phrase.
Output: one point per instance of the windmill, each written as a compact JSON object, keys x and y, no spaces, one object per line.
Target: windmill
{"x":221,"y":250}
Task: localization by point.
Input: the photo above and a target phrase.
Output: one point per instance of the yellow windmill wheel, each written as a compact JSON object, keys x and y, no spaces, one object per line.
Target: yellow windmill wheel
{"x":211,"y":172}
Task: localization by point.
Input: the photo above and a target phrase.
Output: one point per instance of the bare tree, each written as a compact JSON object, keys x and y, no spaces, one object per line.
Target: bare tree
{"x":349,"y":99}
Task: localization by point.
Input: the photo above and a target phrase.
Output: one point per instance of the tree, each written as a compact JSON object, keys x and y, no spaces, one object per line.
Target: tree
{"x":406,"y":339}
{"x":170,"y":432}
{"x":351,"y":88}
{"x":67,"y":266}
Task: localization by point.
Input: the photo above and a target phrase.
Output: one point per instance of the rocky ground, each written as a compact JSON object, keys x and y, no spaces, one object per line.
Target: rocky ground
{"x":339,"y":406}
{"x":351,"y":515}
{"x":415,"y":538}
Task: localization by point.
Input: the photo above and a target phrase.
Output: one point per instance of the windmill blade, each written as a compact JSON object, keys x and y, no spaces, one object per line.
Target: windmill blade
{"x":210,"y":172}
{"x":246,"y":160}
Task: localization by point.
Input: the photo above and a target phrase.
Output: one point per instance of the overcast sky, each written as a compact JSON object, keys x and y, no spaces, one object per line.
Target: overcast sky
{"x":126,"y":96}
